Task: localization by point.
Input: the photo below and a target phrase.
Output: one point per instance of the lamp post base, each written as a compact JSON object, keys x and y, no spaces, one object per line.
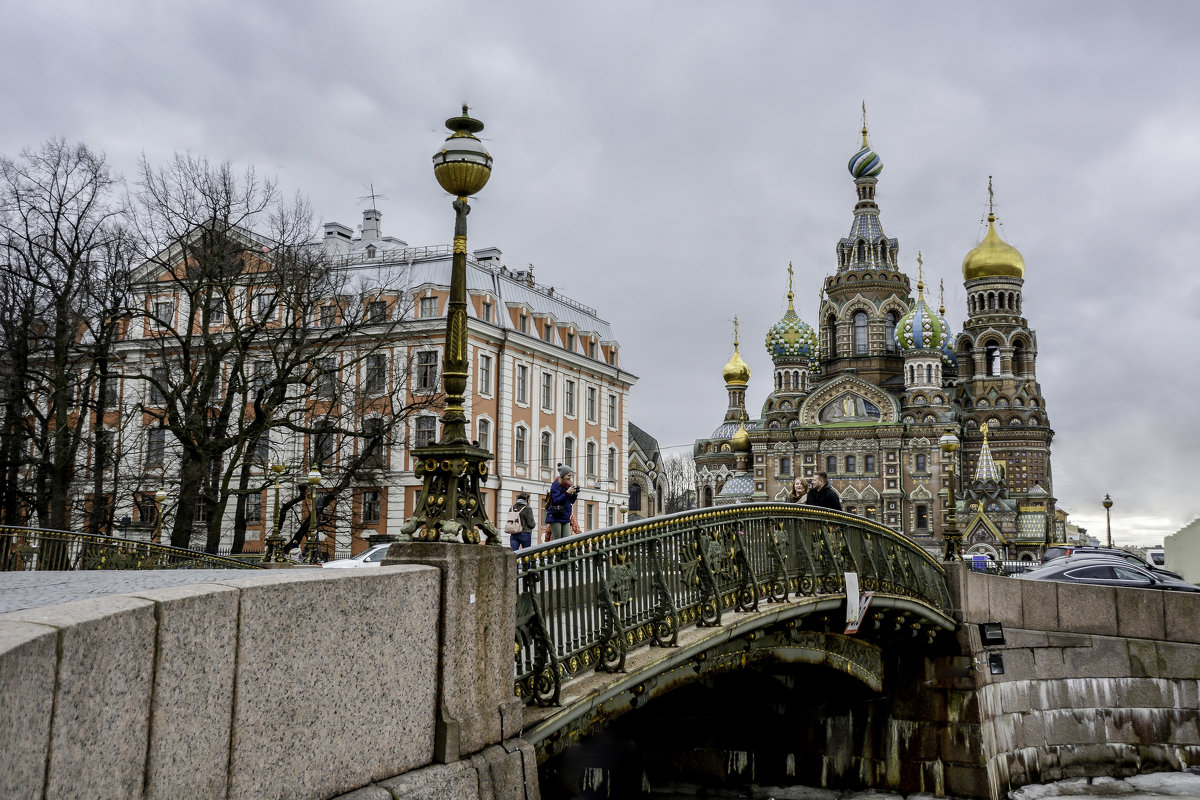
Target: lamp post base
{"x":451,"y":502}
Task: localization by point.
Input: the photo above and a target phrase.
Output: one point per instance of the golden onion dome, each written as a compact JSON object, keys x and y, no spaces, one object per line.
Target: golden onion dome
{"x":993,"y":257}
{"x":740,"y":441}
{"x":736,"y":371}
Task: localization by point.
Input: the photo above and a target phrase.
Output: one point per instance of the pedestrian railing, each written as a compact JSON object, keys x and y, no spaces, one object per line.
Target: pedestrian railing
{"x":585,"y":601}
{"x":32,"y":549}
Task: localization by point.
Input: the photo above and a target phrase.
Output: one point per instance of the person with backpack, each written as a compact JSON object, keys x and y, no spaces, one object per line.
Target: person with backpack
{"x":562,"y":498}
{"x":520,"y":523}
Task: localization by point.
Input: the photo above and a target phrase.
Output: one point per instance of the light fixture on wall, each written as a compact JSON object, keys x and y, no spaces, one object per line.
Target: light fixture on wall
{"x":996,"y":663}
{"x":991,"y":634}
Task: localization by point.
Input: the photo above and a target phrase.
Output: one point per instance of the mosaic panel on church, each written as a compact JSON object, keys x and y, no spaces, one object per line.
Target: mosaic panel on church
{"x":850,"y":407}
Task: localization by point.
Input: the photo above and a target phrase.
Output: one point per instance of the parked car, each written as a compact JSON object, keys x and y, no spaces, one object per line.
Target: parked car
{"x":1112,"y":552}
{"x":1104,"y":570}
{"x":367,"y":558}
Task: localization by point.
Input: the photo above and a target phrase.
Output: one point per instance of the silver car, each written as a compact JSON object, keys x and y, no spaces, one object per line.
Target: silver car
{"x":371,"y":557}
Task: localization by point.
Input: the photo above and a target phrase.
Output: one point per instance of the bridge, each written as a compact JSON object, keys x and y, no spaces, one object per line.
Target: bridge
{"x":378,"y":684}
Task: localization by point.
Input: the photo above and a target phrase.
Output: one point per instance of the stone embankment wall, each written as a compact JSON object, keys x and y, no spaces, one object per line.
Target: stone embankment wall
{"x":1096,"y":680}
{"x":292,"y":683}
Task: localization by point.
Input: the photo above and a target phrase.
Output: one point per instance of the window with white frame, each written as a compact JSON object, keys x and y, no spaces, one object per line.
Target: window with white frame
{"x":522,"y":379}
{"x":216,"y":310}
{"x":612,"y":463}
{"x":324,"y":444}
{"x":370,"y":507}
{"x":156,"y":447}
{"x":254,"y":507}
{"x":523,"y":322}
{"x":485,"y":375}
{"x":569,"y":397}
{"x":612,"y":411}
{"x":376,"y":373}
{"x":377,"y":311}
{"x":485,"y":434}
{"x":425,"y":430}
{"x":164,"y":313}
{"x":327,"y":378}
{"x":591,"y":404}
{"x":547,"y":391}
{"x":157,"y":385}
{"x":569,"y":452}
{"x":592,"y":349}
{"x":260,"y":376}
{"x":570,"y":343}
{"x":264,"y":303}
{"x":429,"y":307}
{"x":548,"y":332}
{"x":591,"y":516}
{"x":373,"y":442}
{"x":590,"y":459}
{"x":327,"y":316}
{"x":520,"y":445}
{"x":547,"y":454}
{"x":427,"y":370}
{"x":262,"y":447}
{"x":486,"y":310}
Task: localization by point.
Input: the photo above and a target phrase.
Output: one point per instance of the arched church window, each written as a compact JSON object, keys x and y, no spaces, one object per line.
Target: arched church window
{"x":929,"y":373}
{"x":891,"y":331}
{"x":708,"y":496}
{"x":831,"y":326}
{"x":862,"y":251}
{"x":860,"y":333}
{"x":992,"y":358}
{"x":991,"y":301}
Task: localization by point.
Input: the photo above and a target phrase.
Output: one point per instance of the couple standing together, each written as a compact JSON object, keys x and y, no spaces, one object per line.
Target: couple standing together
{"x":819,"y":493}
{"x":559,"y":509}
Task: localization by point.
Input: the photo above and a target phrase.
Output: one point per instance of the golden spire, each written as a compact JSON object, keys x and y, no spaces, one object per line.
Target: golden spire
{"x":920,"y":276}
{"x":864,"y":128}
{"x":991,"y":201}
{"x":790,"y":308}
{"x":735,"y":333}
{"x":941,"y":297}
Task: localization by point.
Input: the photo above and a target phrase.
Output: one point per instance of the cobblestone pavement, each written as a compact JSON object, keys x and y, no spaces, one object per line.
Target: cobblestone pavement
{"x":20,"y":590}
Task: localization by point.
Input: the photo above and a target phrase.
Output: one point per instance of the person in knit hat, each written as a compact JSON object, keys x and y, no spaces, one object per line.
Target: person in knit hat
{"x":563,"y":494}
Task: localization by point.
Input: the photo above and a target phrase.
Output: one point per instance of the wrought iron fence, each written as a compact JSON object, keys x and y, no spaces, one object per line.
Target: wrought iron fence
{"x":585,"y":601}
{"x":31,"y":549}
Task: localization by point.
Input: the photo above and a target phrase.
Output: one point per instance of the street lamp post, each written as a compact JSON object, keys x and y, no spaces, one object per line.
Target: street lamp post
{"x":1108,"y":517}
{"x":314,"y":481}
{"x":159,"y":497}
{"x":273,"y":551}
{"x":454,"y":470}
{"x":949,"y":445}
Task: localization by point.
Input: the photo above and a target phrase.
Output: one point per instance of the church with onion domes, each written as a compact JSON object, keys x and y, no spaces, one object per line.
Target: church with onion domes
{"x":866,"y":392}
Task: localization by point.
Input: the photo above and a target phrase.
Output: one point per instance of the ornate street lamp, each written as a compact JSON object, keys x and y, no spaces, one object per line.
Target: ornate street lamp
{"x":949,"y":445}
{"x":454,"y":470}
{"x":159,"y":497}
{"x":314,"y":480}
{"x":273,"y":551}
{"x":1108,"y":517}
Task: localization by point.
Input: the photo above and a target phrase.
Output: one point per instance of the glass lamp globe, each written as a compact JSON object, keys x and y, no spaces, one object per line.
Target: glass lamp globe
{"x":463,"y":165}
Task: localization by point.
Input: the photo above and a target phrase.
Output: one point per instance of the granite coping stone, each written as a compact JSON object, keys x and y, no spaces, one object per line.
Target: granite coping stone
{"x":1039,"y":605}
{"x":102,"y":694}
{"x":371,"y":635}
{"x":28,"y":656}
{"x":192,"y":706}
{"x":456,"y":781}
{"x":1140,"y":613}
{"x":1087,"y":609}
{"x":1182,"y":615}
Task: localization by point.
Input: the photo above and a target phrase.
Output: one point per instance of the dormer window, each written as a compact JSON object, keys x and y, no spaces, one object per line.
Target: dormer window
{"x":570,"y":342}
{"x":485,"y":312}
{"x":592,"y":349}
{"x":370,"y":251}
{"x":523,"y":322}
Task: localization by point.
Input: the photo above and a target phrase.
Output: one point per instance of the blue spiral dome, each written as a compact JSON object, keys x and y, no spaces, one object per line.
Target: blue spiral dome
{"x":866,"y":163}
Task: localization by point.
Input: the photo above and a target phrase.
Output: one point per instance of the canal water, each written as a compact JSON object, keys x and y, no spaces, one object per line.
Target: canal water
{"x":1158,"y":786}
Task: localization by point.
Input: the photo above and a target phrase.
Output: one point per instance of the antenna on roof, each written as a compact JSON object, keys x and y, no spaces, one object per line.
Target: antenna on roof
{"x":372,"y":197}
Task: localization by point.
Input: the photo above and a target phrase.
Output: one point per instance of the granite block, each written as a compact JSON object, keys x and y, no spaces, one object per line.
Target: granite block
{"x":1004,"y":600}
{"x":1087,"y":609}
{"x":1039,"y":605}
{"x":371,"y":792}
{"x":1182,"y":613}
{"x":336,"y":679}
{"x":28,"y":660}
{"x":192,"y":706}
{"x":529,"y":765}
{"x":478,"y":630}
{"x":1143,"y":658}
{"x":457,"y":781}
{"x":1140,"y":613}
{"x":1178,"y":661}
{"x":966,"y":780}
{"x":1033,"y":730}
{"x":501,"y":774}
{"x":1074,"y":726}
{"x":100,"y":722}
{"x":1106,"y":658}
{"x":1048,"y":663}
{"x":975,"y":602}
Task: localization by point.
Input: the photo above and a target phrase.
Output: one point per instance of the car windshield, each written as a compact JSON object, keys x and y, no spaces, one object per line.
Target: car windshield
{"x":378,"y":555}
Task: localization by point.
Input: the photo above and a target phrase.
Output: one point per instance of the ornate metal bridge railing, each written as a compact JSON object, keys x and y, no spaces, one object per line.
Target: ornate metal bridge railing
{"x":585,"y":601}
{"x":28,"y":549}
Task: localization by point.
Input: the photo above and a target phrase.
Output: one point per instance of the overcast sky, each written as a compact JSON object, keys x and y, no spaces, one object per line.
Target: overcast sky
{"x":664,"y":161}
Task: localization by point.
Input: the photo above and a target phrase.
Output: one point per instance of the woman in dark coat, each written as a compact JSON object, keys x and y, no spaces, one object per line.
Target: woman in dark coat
{"x":562,"y":497}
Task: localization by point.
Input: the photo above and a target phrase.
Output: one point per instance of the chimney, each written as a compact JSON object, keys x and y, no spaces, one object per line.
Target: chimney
{"x":370,"y":225}
{"x":336,"y":241}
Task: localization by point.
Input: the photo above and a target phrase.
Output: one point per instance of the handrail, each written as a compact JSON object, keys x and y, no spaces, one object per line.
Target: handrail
{"x":586,"y":600}
{"x":38,"y":549}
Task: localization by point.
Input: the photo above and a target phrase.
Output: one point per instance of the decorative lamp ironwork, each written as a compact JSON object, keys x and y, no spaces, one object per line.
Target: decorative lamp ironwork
{"x":273,"y":546}
{"x":453,"y":470}
{"x":314,"y":480}
{"x":1108,"y":516}
{"x":160,"y":497}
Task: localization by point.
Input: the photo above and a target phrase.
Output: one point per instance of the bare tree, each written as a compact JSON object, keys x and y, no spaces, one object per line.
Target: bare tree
{"x":243,"y":320}
{"x":679,"y":471}
{"x":62,"y":269}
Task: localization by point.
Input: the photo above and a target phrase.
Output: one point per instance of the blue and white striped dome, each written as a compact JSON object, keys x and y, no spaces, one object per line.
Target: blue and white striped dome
{"x":866,"y":163}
